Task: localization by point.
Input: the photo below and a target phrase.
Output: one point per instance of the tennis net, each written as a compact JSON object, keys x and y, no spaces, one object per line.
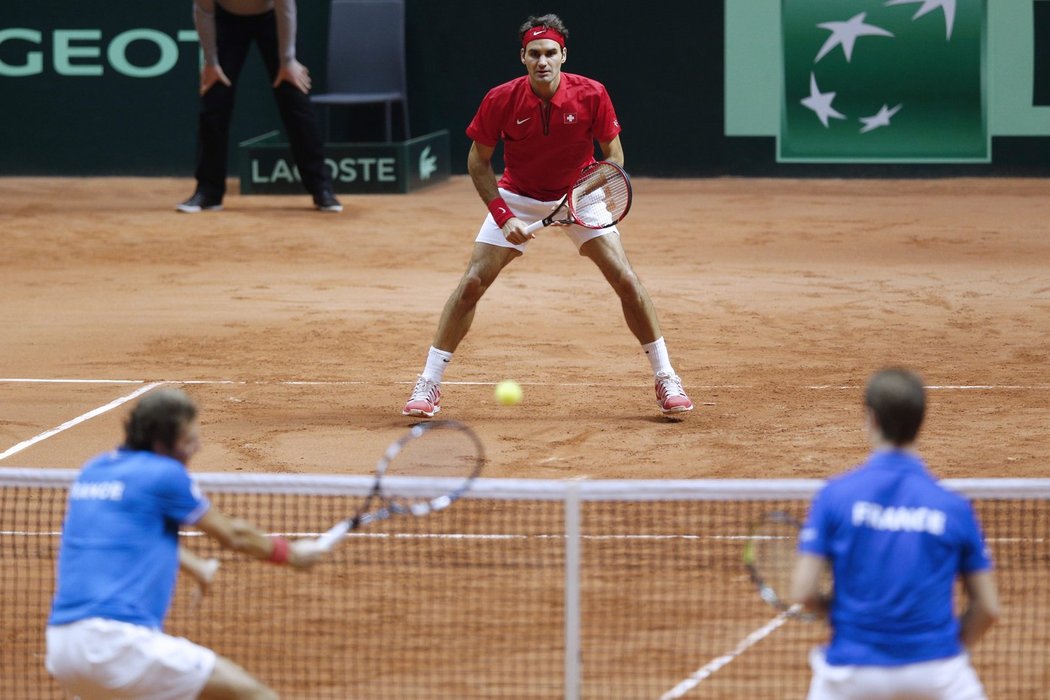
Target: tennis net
{"x":524,"y":589}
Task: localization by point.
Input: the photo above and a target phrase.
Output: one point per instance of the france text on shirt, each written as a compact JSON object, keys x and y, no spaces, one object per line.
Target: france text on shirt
{"x":899,"y":518}
{"x":98,"y":491}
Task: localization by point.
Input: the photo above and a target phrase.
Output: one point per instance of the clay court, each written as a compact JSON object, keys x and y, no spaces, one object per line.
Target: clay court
{"x":301,"y":334}
{"x":777,"y":299}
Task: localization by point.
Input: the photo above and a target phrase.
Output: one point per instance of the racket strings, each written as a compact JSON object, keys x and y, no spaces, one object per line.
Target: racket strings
{"x":773,"y":560}
{"x":602,"y":197}
{"x":450,"y":456}
{"x":440,"y":454}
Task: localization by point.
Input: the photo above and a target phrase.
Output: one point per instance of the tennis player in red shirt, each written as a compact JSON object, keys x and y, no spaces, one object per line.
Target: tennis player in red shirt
{"x":548,"y":121}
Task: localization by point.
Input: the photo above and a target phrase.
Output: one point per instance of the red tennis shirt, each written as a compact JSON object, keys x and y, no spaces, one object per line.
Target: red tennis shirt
{"x":544,"y":148}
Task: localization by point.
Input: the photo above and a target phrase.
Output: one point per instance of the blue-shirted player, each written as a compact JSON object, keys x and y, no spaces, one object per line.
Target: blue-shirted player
{"x":118,"y":561}
{"x":895,"y":541}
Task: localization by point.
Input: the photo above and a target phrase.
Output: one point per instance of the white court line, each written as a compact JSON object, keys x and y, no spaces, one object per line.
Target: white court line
{"x":78,"y":420}
{"x":30,"y":380}
{"x":705,"y":671}
{"x":348,"y":382}
{"x":497,"y":536}
{"x":947,"y":387}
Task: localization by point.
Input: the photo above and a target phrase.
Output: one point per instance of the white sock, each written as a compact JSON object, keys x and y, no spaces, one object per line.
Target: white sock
{"x":656,"y":351}
{"x":437,"y":361}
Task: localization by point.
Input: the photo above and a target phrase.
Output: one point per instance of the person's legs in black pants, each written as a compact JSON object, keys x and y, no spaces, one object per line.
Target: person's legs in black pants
{"x":233,"y":35}
{"x":297,"y":114}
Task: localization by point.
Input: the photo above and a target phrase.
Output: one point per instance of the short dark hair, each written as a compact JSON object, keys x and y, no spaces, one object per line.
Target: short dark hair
{"x":159,"y":416}
{"x":898,"y":400}
{"x":550,"y":20}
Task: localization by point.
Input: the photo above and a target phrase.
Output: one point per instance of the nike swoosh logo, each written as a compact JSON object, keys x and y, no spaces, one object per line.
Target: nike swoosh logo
{"x":522,"y":121}
{"x":537,"y":32}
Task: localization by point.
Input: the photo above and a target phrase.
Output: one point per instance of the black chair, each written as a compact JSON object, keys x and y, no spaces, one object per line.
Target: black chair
{"x":366,"y":58}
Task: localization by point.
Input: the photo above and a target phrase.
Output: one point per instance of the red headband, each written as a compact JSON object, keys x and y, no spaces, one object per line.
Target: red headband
{"x":542,"y":32}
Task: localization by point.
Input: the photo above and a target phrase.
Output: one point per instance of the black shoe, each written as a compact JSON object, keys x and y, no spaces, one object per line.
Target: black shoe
{"x":326,"y":201}
{"x":200,"y":202}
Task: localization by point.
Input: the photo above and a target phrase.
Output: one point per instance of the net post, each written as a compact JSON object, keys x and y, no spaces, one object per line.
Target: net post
{"x":572,"y":591}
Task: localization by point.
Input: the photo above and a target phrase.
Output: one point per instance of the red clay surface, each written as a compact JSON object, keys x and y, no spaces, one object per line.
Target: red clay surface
{"x":300,"y":333}
{"x":773,"y":296}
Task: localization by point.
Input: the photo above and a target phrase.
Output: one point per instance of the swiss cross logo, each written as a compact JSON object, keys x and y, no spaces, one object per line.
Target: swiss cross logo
{"x":570,"y":118}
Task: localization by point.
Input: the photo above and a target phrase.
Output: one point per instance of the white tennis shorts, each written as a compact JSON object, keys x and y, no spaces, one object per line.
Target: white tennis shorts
{"x":98,"y":659}
{"x":530,"y":210}
{"x":942,"y":679}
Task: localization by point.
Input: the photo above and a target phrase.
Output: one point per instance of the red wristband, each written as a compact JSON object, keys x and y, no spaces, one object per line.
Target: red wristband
{"x":279,"y":555}
{"x":501,"y":213}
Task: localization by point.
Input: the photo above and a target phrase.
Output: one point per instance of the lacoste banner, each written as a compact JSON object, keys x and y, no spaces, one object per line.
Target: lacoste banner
{"x":267,"y":167}
{"x":883,"y":80}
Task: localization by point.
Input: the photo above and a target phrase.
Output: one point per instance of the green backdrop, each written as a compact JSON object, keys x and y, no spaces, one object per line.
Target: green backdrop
{"x":110,"y":88}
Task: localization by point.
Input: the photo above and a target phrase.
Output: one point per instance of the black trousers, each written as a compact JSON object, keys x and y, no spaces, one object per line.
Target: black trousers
{"x":234,"y":35}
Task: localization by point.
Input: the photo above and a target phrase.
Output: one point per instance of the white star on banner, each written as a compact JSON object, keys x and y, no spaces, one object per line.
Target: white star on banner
{"x":879,"y":119}
{"x":948,"y":6}
{"x":846,"y":34}
{"x":820,"y":102}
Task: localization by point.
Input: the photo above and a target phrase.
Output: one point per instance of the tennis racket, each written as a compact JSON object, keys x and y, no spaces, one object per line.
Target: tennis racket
{"x":448,"y":453}
{"x":769,"y":555}
{"x":599,"y":198}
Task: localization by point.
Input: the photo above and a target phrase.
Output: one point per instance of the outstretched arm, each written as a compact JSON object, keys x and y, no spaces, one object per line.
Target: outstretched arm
{"x":241,"y":536}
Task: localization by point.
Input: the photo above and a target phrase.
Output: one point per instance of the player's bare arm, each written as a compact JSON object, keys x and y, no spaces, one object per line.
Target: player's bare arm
{"x":805,"y":584}
{"x":982,"y":610}
{"x":479,"y":165}
{"x":241,"y":536}
{"x":612,"y":150}
{"x":204,"y":21}
{"x":202,"y":570}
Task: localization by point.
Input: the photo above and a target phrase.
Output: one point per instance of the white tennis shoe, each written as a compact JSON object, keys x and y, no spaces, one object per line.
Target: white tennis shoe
{"x":670,"y":394}
{"x":425,"y":400}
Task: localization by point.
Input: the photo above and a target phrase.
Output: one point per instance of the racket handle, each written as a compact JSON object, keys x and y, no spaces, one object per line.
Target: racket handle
{"x":534,"y":226}
{"x":329,"y":539}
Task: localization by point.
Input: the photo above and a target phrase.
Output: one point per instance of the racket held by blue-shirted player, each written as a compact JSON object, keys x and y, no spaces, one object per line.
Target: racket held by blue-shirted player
{"x":599,"y":198}
{"x":426,"y":470}
{"x":769,"y":555}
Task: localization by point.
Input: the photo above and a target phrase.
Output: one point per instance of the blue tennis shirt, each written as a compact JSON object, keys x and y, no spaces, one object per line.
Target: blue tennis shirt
{"x":119,"y":554}
{"x":896,"y":541}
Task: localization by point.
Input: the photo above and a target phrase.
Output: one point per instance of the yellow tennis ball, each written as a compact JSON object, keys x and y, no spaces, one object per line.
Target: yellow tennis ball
{"x":509,"y":393}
